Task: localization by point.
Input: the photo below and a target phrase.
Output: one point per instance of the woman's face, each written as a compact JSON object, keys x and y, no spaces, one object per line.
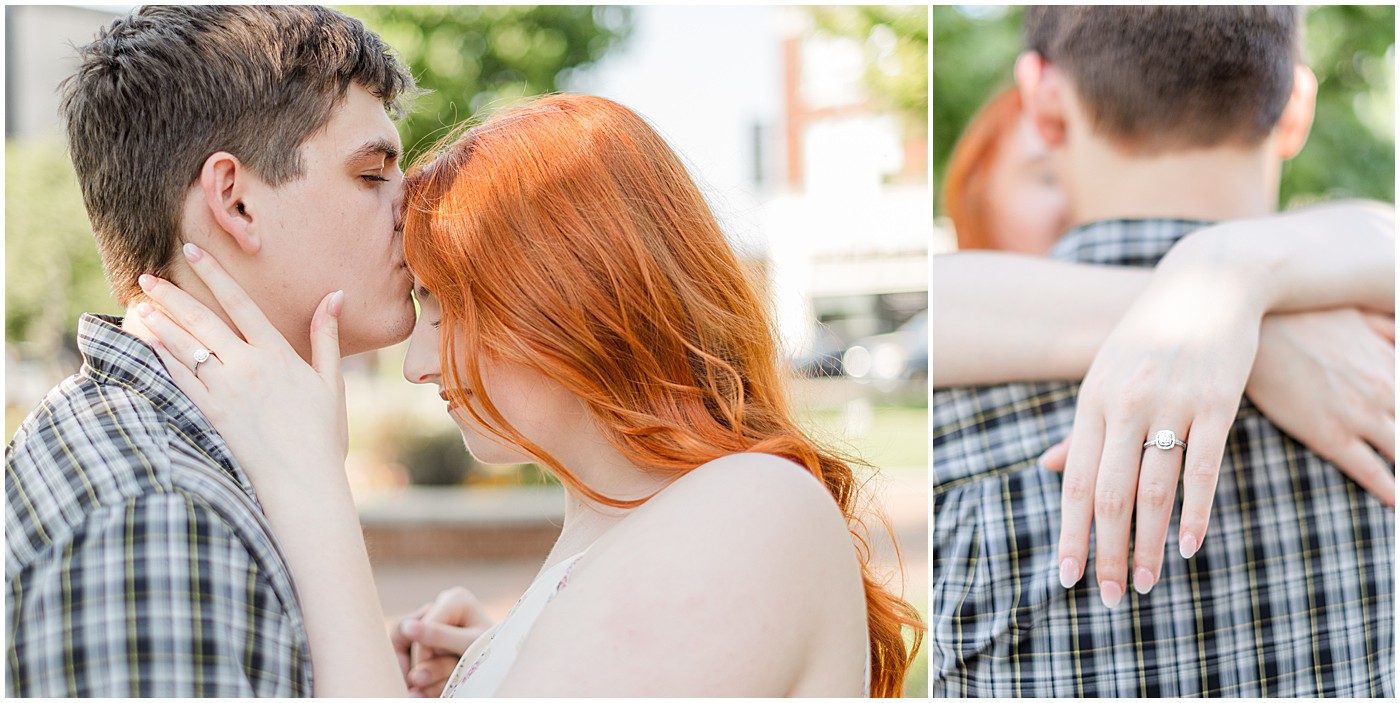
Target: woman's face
{"x":1027,"y":209}
{"x":535,"y":405}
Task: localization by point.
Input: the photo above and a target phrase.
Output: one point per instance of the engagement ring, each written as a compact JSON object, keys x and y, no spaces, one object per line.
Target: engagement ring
{"x":1164,"y":439}
{"x":201,"y":355}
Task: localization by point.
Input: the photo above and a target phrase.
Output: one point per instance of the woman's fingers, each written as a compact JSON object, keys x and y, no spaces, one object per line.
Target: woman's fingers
{"x":180,"y":345}
{"x":1054,"y":458}
{"x":184,"y":379}
{"x":1383,"y":325}
{"x":455,"y":619}
{"x":447,"y":638}
{"x":403,"y":645}
{"x":1201,"y":472}
{"x":1384,"y":383}
{"x":1077,"y":496}
{"x":431,"y":675}
{"x":245,"y":313}
{"x":185,"y":311}
{"x":1381,"y":434}
{"x":1156,"y":496}
{"x":1360,"y":462}
{"x":325,"y":337}
{"x":1114,"y":497}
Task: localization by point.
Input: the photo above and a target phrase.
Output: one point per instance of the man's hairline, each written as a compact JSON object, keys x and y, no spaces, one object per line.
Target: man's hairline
{"x":1093,"y":121}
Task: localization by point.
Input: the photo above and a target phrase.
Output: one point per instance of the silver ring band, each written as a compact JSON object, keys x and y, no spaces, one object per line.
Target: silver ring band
{"x":1164,"y":439}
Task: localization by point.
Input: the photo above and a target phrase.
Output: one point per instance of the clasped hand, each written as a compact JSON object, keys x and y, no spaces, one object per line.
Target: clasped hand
{"x":1180,"y":360}
{"x":430,"y":641}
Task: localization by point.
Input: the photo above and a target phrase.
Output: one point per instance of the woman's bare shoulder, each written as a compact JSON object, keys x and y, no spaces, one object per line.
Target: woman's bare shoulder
{"x":750,"y":513}
{"x":764,"y":482}
{"x":745,"y":566}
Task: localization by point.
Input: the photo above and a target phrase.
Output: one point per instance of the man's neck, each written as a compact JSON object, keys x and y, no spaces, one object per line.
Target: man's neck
{"x":133,"y":324}
{"x":1216,"y":184}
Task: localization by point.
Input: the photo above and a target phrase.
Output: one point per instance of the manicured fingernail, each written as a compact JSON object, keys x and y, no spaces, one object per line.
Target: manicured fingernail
{"x":337,"y":303}
{"x":1189,"y":545}
{"x":1143,"y":581}
{"x":1111,"y":593}
{"x":146,"y":280}
{"x":411,"y":628}
{"x":192,"y":252}
{"x":1069,"y":572}
{"x":143,"y":309}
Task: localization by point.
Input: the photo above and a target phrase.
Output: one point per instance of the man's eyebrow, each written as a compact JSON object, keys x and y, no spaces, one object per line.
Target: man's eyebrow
{"x":378,"y":147}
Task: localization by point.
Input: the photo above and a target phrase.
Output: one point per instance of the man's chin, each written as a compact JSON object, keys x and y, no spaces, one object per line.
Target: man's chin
{"x":385,"y":332}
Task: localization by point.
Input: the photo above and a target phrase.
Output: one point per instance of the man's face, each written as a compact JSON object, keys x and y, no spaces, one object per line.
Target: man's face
{"x":337,"y":227}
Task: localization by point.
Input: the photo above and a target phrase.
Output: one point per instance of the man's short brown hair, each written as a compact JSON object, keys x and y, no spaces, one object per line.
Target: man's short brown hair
{"x":1174,"y":77}
{"x":158,"y":91}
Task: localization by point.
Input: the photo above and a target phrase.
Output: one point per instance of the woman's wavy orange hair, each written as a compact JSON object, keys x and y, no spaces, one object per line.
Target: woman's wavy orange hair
{"x":565,"y":235}
{"x":965,"y":183}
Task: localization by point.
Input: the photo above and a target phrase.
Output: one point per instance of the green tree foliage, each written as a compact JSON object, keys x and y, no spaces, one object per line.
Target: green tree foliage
{"x":475,"y":57}
{"x":973,"y":50}
{"x":52,"y":270}
{"x":895,"y":39}
{"x":1351,"y":151}
{"x":1350,"y":48}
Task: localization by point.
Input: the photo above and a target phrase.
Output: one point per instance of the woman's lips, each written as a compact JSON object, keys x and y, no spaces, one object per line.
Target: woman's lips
{"x":453,"y":398}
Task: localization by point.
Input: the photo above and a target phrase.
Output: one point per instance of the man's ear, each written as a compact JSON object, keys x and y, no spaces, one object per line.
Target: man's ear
{"x":225,"y":182}
{"x":1291,"y":133}
{"x":1042,"y":96}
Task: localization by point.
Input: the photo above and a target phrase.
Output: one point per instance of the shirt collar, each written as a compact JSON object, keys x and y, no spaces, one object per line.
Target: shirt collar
{"x":114,"y":356}
{"x":1129,"y":242}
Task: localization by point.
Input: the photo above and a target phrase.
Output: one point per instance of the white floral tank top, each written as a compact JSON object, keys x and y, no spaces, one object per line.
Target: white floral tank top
{"x":484,"y":666}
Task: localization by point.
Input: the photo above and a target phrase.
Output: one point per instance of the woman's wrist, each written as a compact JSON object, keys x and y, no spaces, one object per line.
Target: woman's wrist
{"x":1331,"y":255}
{"x":1225,"y":265}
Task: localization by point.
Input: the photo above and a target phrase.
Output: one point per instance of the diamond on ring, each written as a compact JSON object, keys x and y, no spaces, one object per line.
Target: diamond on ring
{"x":201,"y":355}
{"x":1164,"y":439}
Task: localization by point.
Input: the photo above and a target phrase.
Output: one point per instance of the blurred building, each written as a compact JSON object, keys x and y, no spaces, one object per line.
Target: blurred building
{"x":31,"y":82}
{"x":848,"y":213}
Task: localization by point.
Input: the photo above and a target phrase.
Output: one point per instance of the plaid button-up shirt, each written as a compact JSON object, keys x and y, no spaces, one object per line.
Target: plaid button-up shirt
{"x":137,"y":560}
{"x":1291,"y":594}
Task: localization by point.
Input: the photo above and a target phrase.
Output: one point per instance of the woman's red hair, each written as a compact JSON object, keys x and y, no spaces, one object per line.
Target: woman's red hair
{"x":566,"y":236}
{"x":965,"y":183}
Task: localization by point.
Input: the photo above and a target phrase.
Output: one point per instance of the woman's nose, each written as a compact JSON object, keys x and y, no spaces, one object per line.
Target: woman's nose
{"x":420,"y":363}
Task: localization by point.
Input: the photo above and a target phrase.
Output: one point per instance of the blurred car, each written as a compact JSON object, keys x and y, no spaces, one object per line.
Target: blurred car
{"x":894,"y":356}
{"x":823,"y":360}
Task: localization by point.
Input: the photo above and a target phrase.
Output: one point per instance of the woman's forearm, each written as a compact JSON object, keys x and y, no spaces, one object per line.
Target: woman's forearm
{"x":1001,"y":317}
{"x":998,"y":317}
{"x":1325,"y":256}
{"x":351,"y":653}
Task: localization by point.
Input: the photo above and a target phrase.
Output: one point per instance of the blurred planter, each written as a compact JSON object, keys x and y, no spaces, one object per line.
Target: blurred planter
{"x":438,"y":459}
